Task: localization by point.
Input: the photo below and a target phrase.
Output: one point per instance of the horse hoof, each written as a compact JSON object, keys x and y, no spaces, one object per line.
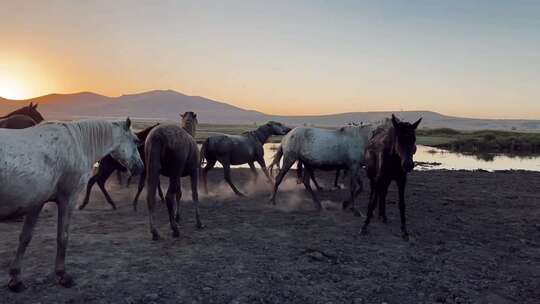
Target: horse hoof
{"x":81,"y":207}
{"x":176,"y":234}
{"x":66,"y":281}
{"x":201,"y":226}
{"x":405,"y":237}
{"x":16,"y":285}
{"x":345,"y":204}
{"x":364,"y":231}
{"x":155,"y":237}
{"x":383,"y":219}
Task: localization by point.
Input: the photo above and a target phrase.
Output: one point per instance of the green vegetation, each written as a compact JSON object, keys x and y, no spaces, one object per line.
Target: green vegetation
{"x":483,"y":141}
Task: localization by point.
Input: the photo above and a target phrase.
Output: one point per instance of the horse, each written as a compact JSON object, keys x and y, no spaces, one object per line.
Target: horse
{"x":326,"y":150}
{"x":108,"y":165}
{"x":52,"y":162}
{"x":171,"y":151}
{"x":239,"y":149}
{"x":189,"y":123}
{"x":389,"y":157}
{"x":22,"y":118}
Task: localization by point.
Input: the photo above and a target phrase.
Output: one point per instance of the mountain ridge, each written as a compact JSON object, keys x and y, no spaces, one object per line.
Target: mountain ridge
{"x":167,"y":104}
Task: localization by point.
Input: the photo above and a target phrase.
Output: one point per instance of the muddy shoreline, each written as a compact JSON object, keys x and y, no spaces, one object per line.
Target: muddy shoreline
{"x":475,"y":238}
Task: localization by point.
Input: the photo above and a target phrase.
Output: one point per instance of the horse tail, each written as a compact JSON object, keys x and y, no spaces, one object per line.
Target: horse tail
{"x":277,"y":159}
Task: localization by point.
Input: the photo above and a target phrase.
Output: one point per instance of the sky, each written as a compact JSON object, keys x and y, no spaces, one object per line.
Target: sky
{"x":464,"y":58}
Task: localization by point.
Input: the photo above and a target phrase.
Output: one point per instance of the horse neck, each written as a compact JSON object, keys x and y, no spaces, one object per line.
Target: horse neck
{"x":95,"y":138}
{"x":262,"y":133}
{"x":190,"y":126}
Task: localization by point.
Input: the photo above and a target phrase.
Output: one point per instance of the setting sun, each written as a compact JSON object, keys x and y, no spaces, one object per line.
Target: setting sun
{"x":12,"y":89}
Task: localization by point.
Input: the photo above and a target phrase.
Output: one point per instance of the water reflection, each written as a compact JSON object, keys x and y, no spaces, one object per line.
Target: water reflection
{"x":432,"y":158}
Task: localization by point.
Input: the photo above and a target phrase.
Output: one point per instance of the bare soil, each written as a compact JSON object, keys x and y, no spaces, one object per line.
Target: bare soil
{"x":475,"y":238}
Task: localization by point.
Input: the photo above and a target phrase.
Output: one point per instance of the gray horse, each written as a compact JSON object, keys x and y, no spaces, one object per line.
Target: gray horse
{"x":53,"y":162}
{"x":171,"y":151}
{"x":246,"y":148}
{"x":323,"y":149}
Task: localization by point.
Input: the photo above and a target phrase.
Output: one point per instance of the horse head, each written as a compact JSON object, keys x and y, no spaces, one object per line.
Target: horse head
{"x":278,"y":128}
{"x":189,"y":122}
{"x":125,"y":151}
{"x":405,"y":141}
{"x":30,"y":111}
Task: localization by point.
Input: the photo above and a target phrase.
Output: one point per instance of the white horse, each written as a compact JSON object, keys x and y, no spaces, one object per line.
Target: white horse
{"x":324,"y":149}
{"x":53,"y":162}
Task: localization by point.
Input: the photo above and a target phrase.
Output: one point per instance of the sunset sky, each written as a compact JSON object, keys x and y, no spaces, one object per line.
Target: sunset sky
{"x":465,"y":58}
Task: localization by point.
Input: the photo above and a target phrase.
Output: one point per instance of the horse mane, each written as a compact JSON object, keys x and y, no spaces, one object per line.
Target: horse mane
{"x":261,"y":133}
{"x":357,"y":130}
{"x":141,"y":135}
{"x":95,"y":137}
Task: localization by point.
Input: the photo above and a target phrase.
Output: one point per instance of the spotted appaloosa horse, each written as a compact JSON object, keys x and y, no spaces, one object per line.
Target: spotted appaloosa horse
{"x":53,"y":162}
{"x":389,"y":157}
{"x":324,"y":149}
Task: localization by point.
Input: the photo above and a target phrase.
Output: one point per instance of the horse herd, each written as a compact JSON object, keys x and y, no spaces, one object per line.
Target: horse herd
{"x":56,"y":160}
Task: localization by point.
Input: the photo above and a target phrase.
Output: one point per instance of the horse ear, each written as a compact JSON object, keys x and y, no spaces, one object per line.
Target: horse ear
{"x":182,"y":115}
{"x":194,"y":115}
{"x":31,"y":105}
{"x":35,"y":106}
{"x":395,"y":121}
{"x":415,"y":125}
{"x":128,"y":123}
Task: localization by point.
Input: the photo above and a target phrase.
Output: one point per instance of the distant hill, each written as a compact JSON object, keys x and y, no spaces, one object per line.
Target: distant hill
{"x":167,"y":104}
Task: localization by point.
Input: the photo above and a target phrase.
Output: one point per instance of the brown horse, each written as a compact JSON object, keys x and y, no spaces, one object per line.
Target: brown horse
{"x":108,"y":165}
{"x":389,"y":157}
{"x":22,"y":118}
{"x":171,"y":151}
{"x":189,"y":123}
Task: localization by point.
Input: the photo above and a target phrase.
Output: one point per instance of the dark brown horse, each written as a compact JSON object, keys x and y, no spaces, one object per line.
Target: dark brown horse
{"x":389,"y":157}
{"x":171,"y":151}
{"x":22,"y":118}
{"x":108,"y":165}
{"x":189,"y":123}
{"x":246,"y":148}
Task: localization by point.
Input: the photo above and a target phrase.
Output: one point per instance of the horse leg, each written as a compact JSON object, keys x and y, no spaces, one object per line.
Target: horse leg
{"x":89,"y":186}
{"x":319,"y":188}
{"x":170,"y":198}
{"x":351,"y":200}
{"x":64,"y":216}
{"x":178,"y":200}
{"x":139,"y":190}
{"x":227,"y":172}
{"x":401,"y":189}
{"x":152,"y":179}
{"x":336,"y":180}
{"x":262,"y":163}
{"x":195,"y":196}
{"x":382,"y":205}
{"x":288,"y":162}
{"x":101,"y":185}
{"x":210,"y":163}
{"x":371,"y":207}
{"x":299,"y":176}
{"x":119,"y":176}
{"x":160,"y":191}
{"x":15,"y":284}
{"x":307,"y":177}
{"x":253,"y":170}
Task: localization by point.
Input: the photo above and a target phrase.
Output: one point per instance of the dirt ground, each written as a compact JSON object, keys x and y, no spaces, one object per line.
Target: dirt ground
{"x":475,"y":238}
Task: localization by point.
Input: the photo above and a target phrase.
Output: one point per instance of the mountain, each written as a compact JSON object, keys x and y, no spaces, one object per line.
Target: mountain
{"x":168,"y":104}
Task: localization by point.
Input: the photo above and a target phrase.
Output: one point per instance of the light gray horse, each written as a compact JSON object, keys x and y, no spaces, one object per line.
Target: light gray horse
{"x":53,"y":162}
{"x":246,"y":148}
{"x":325,"y":150}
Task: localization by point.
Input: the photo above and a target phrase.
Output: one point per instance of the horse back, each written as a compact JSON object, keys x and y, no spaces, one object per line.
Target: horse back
{"x":17,"y":121}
